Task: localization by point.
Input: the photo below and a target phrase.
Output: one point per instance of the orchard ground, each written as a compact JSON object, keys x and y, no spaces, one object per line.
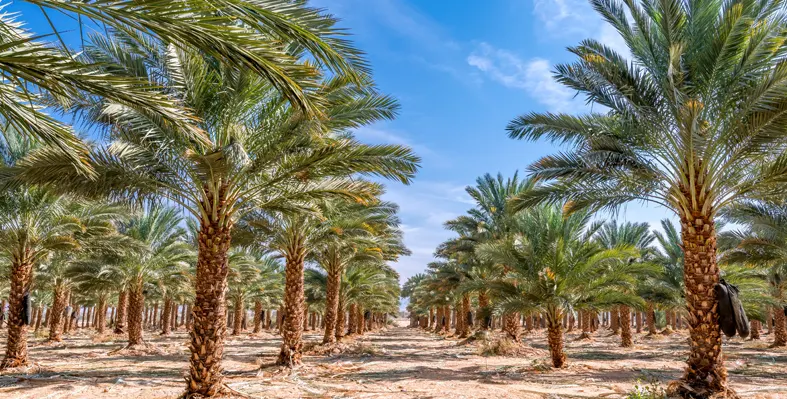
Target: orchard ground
{"x":395,"y":363}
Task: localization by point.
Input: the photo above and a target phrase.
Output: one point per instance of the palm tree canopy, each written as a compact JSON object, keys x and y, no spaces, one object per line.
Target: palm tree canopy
{"x":694,"y":121}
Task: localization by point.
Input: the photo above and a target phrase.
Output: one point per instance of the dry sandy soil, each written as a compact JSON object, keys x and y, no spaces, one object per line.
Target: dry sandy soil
{"x":397,"y":363}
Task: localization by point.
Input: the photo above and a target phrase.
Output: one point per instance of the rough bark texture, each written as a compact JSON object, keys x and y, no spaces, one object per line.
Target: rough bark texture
{"x":651,"y":319}
{"x":755,"y":329}
{"x":101,"y":316}
{"x":16,"y":346}
{"x":136,"y":305}
{"x":511,"y":326}
{"x":779,"y":328}
{"x":625,"y":327}
{"x":555,"y":340}
{"x":331,"y":304}
{"x":166,"y":317}
{"x":483,"y":304}
{"x":614,"y":318}
{"x":237,"y":325}
{"x":639,"y":321}
{"x":56,"y":314}
{"x":38,"y":314}
{"x":466,"y":327}
{"x":292,"y":334}
{"x":257,"y":317}
{"x":209,"y":312}
{"x":705,"y":373}
{"x":341,"y":319}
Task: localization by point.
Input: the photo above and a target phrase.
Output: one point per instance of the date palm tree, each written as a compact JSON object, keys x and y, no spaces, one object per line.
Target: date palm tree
{"x":762,"y":244}
{"x":355,"y":233}
{"x":555,"y":265}
{"x":36,"y":224}
{"x":243,"y":34}
{"x":260,"y":153}
{"x":692,"y":122}
{"x":632,"y":235}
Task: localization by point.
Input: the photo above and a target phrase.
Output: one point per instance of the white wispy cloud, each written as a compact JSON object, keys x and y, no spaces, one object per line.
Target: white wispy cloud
{"x":424,"y":207}
{"x":576,"y":19}
{"x":534,"y":76}
{"x":376,"y":135}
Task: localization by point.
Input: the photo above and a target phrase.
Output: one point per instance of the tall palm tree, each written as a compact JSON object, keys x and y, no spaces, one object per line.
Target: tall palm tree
{"x":692,"y":122}
{"x":260,"y":153}
{"x":555,"y":266}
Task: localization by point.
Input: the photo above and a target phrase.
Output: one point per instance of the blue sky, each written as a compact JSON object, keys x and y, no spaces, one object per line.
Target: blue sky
{"x":461,"y":70}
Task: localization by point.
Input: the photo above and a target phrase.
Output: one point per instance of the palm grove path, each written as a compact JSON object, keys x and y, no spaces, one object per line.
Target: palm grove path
{"x":398,"y":363}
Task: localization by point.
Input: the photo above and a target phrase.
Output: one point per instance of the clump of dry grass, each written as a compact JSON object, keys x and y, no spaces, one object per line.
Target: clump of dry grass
{"x":497,"y":347}
{"x":365,"y":349}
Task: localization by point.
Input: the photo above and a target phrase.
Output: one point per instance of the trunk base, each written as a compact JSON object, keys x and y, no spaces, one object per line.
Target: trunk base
{"x":700,"y":390}
{"x":584,"y":336}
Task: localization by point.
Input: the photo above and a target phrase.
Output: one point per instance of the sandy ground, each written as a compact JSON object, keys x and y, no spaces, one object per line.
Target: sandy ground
{"x":397,"y":363}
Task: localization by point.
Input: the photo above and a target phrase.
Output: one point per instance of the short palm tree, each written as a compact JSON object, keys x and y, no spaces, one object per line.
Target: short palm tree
{"x":156,"y":251}
{"x":554,"y":266}
{"x":692,"y":122}
{"x":35,"y":224}
{"x":762,"y":244}
{"x":630,"y":235}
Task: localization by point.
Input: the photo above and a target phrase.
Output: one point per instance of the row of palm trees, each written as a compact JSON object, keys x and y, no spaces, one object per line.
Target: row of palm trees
{"x":238,"y":114}
{"x":568,"y":269}
{"x":691,"y":119}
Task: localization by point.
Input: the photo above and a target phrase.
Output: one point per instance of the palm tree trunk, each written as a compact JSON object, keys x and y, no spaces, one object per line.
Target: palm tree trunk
{"x":58,"y":308}
{"x":292,"y":343}
{"x":466,"y":326}
{"x":705,"y":371}
{"x":209,"y":325}
{"x":155,"y":318}
{"x":332,"y":303}
{"x":483,"y":305}
{"x":352,"y":319}
{"x":257,"y":317}
{"x":439,"y":321}
{"x":625,"y":327}
{"x":16,"y":346}
{"x":779,"y":328}
{"x":511,"y":326}
{"x":39,"y":316}
{"x":615,"y":320}
{"x":360,"y":324}
{"x":165,"y":316}
{"x":341,"y":318}
{"x":101,"y":317}
{"x":136,"y":306}
{"x":639,"y":321}
{"x":651,"y":319}
{"x":238,"y":321}
{"x":555,"y":339}
{"x":755,"y":329}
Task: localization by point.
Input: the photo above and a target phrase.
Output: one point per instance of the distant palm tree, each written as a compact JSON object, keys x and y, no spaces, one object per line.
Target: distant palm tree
{"x":762,"y":244}
{"x":693,"y":122}
{"x":628,"y":235}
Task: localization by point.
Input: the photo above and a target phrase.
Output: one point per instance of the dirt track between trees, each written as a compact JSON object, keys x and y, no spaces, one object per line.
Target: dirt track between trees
{"x":398,"y":363}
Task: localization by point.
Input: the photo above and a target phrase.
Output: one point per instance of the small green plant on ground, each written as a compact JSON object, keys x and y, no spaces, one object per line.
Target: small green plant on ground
{"x":650,"y":390}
